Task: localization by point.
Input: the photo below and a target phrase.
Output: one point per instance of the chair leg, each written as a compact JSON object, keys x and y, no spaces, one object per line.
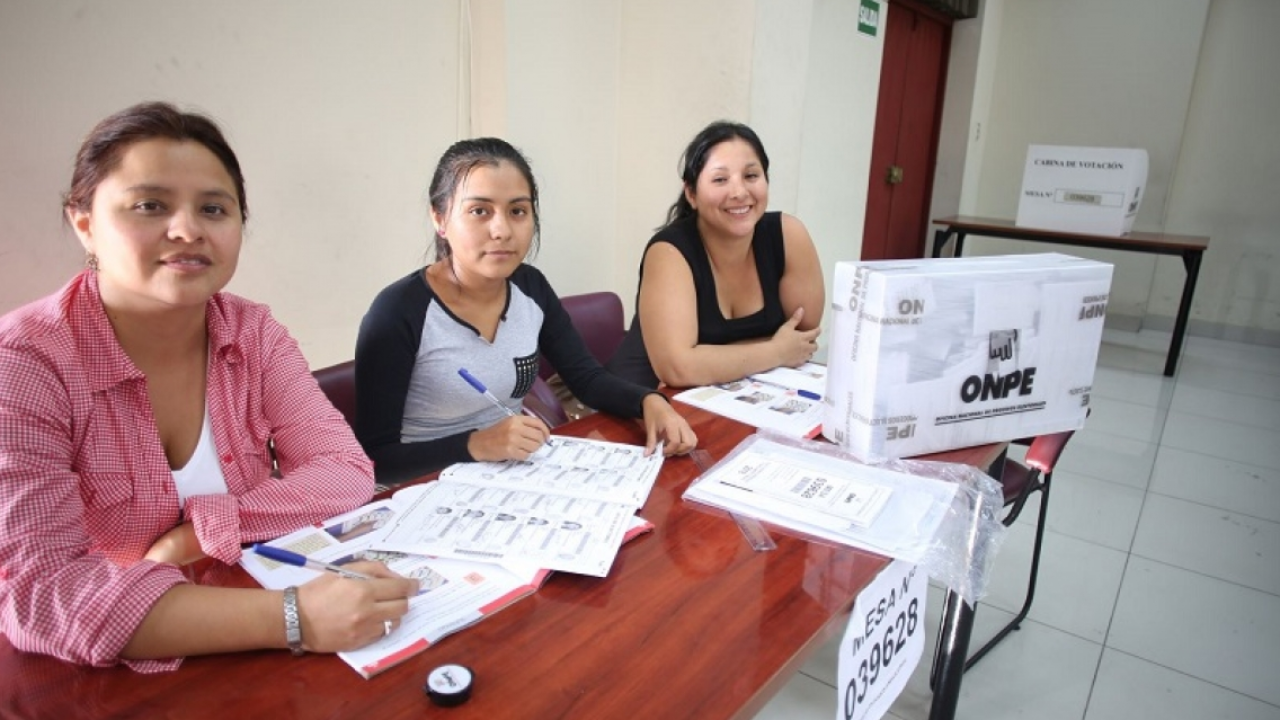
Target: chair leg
{"x":937,"y":645}
{"x":1016,"y":622}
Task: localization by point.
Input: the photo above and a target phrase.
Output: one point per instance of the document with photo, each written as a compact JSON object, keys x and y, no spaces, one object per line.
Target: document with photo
{"x":469,"y":521}
{"x":452,"y":595}
{"x":764,"y":405}
{"x":578,"y":467}
{"x":809,"y":380}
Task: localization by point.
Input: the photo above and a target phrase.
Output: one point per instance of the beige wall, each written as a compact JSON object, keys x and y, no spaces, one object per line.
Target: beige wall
{"x":338,"y":115}
{"x":339,"y":112}
{"x":334,"y":109}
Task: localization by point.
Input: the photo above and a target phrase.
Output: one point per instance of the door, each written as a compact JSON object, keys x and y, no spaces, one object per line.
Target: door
{"x":908,"y":113}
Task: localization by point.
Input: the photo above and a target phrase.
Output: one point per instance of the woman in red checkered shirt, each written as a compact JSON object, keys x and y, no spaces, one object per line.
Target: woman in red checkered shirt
{"x":148,"y":419}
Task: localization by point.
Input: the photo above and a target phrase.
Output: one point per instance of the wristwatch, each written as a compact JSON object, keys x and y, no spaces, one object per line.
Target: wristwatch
{"x":292,"y":625}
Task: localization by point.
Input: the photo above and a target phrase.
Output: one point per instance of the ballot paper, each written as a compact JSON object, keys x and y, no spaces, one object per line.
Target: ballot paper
{"x":827,"y":496}
{"x":588,"y":469}
{"x":808,"y":380}
{"x":473,"y":522}
{"x":453,"y":594}
{"x":566,"y":508}
{"x":768,"y":405}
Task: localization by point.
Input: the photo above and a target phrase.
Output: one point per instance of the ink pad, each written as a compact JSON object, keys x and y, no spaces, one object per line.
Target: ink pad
{"x":449,"y":685}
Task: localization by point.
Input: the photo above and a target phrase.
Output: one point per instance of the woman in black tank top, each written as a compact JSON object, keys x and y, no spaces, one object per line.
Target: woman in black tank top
{"x":726,"y":288}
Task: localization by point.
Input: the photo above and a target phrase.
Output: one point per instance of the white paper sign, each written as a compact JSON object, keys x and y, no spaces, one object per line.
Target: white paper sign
{"x":883,"y":643}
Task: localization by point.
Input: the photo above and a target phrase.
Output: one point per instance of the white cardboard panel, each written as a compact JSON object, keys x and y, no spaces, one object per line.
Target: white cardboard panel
{"x":1082,"y":189}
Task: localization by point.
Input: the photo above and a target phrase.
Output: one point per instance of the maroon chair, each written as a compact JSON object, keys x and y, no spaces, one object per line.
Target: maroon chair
{"x":1018,"y":480}
{"x":599,"y":319}
{"x":542,"y":403}
{"x":339,"y":384}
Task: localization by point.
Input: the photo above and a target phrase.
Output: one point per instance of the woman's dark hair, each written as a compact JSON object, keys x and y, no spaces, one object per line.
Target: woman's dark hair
{"x":457,"y":163}
{"x":102,"y":149}
{"x":695,"y":155}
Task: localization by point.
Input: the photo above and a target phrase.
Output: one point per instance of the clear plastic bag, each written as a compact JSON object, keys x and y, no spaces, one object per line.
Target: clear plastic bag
{"x":955,"y":542}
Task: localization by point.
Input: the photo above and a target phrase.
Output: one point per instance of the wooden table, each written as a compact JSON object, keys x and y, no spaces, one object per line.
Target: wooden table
{"x":690,"y":623}
{"x":1189,"y":247}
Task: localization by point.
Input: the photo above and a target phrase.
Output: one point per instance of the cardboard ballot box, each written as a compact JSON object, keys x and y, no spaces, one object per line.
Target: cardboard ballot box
{"x":1081,"y":189}
{"x":937,"y":354}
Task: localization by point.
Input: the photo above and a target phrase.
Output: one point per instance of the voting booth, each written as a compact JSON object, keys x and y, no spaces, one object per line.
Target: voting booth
{"x":1082,"y":189}
{"x":936,"y":354}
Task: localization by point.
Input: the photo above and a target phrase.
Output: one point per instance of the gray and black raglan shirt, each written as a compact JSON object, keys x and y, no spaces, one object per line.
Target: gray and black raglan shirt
{"x":414,"y":412}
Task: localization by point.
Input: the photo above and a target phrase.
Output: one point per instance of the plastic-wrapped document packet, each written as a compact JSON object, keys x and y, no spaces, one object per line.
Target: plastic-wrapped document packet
{"x":944,"y":517}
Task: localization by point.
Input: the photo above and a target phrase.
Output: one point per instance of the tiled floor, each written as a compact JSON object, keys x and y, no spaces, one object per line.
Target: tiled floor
{"x":1159,"y":593}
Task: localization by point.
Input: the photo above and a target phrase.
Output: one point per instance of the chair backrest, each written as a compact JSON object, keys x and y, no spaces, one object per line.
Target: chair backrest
{"x":339,"y":384}
{"x":542,"y":403}
{"x":599,"y":319}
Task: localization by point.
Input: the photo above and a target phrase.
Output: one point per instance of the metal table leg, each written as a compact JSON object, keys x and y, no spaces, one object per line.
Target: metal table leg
{"x":940,"y":238}
{"x":1191,"y":261}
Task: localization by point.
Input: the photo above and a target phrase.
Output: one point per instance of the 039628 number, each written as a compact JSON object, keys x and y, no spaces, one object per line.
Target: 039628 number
{"x":882,"y":653}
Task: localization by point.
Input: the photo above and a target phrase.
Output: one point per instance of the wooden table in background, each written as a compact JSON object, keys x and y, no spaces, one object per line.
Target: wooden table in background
{"x":1188,"y":247}
{"x":690,"y":623}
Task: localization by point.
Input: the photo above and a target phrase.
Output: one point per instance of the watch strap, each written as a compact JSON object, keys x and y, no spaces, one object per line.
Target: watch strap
{"x":292,"y":623}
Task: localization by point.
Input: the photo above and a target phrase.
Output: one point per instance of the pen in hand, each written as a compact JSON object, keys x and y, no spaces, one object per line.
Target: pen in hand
{"x":480,"y":388}
{"x":292,"y":558}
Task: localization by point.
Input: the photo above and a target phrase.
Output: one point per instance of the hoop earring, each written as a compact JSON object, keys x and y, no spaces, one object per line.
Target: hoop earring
{"x":91,"y":262}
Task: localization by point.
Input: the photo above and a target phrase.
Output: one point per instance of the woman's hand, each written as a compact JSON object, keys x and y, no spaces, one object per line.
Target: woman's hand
{"x":338,"y":613}
{"x":515,"y":438}
{"x":795,"y":347}
{"x":179,"y":546}
{"x":661,"y":421}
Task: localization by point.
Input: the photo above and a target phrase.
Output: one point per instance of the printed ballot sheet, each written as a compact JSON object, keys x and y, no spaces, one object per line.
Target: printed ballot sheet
{"x":588,"y":469}
{"x":469,"y":521}
{"x":827,"y":496}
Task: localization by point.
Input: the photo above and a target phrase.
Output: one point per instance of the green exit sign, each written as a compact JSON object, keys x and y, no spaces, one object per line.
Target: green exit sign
{"x":869,"y":17}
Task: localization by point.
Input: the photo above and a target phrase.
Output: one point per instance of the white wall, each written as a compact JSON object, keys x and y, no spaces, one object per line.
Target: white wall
{"x":339,"y":112}
{"x":1098,"y":73}
{"x":562,"y":72}
{"x":334,"y":108}
{"x":682,"y":65}
{"x":604,"y":95}
{"x":1192,"y":82}
{"x":1228,"y":176}
{"x":842,"y":85}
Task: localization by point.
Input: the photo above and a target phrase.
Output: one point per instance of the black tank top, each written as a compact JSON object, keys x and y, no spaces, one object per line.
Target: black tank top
{"x":631,"y":361}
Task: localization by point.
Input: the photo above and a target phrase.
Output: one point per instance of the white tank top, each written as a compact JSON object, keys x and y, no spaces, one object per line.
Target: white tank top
{"x":202,"y":475}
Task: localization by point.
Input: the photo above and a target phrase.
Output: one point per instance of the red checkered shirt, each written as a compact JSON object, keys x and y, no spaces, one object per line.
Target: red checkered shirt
{"x":85,"y":487}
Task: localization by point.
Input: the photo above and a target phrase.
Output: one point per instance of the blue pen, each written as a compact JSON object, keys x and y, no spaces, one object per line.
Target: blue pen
{"x":479,"y":386}
{"x":292,"y":558}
